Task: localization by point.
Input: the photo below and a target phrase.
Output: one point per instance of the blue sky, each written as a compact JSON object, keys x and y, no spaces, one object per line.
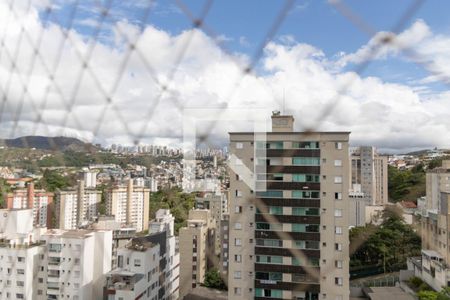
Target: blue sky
{"x":241,"y":26}
{"x":399,"y":103}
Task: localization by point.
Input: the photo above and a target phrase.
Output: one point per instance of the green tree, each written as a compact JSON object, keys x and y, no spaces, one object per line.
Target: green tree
{"x":52,"y":180}
{"x":4,"y":190}
{"x":427,"y":295}
{"x":214,"y":280}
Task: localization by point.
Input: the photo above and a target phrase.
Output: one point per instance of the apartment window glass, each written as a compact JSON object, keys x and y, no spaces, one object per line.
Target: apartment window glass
{"x":338,"y":230}
{"x":305,"y":194}
{"x":267,"y":259}
{"x":269,"y":243}
{"x":305,"y":145}
{"x":276,"y":210}
{"x":237,"y":291}
{"x":237,"y":242}
{"x":239,"y":145}
{"x":337,"y":179}
{"x":337,"y":163}
{"x":259,"y":292}
{"x":338,"y":264}
{"x":269,"y":226}
{"x":270,"y":194}
{"x":238,"y":258}
{"x":338,"y":196}
{"x":305,"y":211}
{"x":238,"y":193}
{"x":237,"y":275}
{"x":137,"y":262}
{"x":338,"y":212}
{"x":338,"y":281}
{"x":306,"y":161}
{"x":338,"y":145}
{"x":238,"y":209}
{"x":238,"y":226}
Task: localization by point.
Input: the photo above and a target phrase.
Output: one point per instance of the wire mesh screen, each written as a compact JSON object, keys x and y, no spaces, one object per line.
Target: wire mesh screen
{"x":107,"y":78}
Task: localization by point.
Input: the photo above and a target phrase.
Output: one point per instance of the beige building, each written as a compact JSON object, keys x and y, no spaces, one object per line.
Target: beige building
{"x":288,"y":231}
{"x":369,"y":184}
{"x":130,"y":205}
{"x":196,"y":248}
{"x":369,"y":175}
{"x":433,"y":265}
{"x":76,"y":207}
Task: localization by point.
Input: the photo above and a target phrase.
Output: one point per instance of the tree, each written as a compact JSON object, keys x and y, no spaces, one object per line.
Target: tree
{"x":4,"y":190}
{"x":213,"y":280}
{"x":427,"y":295}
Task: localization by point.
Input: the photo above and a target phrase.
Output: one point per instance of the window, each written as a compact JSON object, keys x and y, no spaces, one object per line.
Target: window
{"x":269,"y":226}
{"x":269,"y":145}
{"x":237,"y":291}
{"x":305,"y":145}
{"x":238,"y":258}
{"x":305,"y":211}
{"x":338,"y":281}
{"x":305,"y":178}
{"x":337,"y":179}
{"x":19,"y":283}
{"x":270,"y":194}
{"x":338,"y":163}
{"x":239,"y":145}
{"x":266,"y":259}
{"x":238,"y":193}
{"x":338,"y":264}
{"x":338,"y":213}
{"x":338,"y":196}
{"x":20,"y":271}
{"x":237,"y":226}
{"x":269,"y":243}
{"x":276,"y":210}
{"x":137,"y":262}
{"x":306,"y":161}
{"x":338,"y":246}
{"x":238,"y":209}
{"x":338,"y":230}
{"x":259,"y":292}
{"x":20,"y":259}
{"x":237,"y":242}
{"x":237,"y":274}
{"x":338,"y":145}
{"x":305,"y":194}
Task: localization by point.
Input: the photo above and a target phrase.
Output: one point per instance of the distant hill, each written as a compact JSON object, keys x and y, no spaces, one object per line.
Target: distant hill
{"x":59,"y":143}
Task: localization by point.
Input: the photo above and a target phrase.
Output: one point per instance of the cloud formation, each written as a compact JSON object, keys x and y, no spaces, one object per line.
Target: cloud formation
{"x":114,"y":92}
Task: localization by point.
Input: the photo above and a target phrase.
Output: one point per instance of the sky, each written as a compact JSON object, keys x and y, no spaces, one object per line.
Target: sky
{"x":134,"y":71}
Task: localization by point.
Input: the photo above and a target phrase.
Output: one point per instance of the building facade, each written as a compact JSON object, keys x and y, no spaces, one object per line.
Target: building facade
{"x":288,"y":238}
{"x":129,"y":205}
{"x":40,"y":201}
{"x":77,"y":207}
{"x":433,"y":265}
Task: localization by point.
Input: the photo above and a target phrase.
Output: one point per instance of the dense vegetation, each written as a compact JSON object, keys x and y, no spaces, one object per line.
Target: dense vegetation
{"x":385,"y":246}
{"x":174,"y":199}
{"x":406,"y":185}
{"x":52,"y":180}
{"x":214,"y":280}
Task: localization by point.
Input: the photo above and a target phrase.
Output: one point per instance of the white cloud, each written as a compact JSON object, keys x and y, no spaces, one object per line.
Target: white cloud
{"x":390,"y":116}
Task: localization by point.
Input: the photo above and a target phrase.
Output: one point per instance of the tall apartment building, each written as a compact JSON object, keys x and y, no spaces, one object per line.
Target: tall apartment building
{"x":433,"y":265}
{"x":40,"y":201}
{"x":75,"y":264}
{"x":76,"y":207}
{"x":291,"y":240}
{"x":196,"y":246}
{"x":217,"y":204}
{"x":20,"y":251}
{"x":369,"y":175}
{"x":137,"y":275}
{"x":129,"y":205}
{"x":53,"y":264}
{"x":164,"y":223}
{"x":369,"y":184}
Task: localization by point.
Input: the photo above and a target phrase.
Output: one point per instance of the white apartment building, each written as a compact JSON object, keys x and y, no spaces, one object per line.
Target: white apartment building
{"x":36,"y":263}
{"x":137,"y":274}
{"x":164,"y":222}
{"x":129,"y":205}
{"x":20,"y":252}
{"x":74,"y":264}
{"x":76,"y":207}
